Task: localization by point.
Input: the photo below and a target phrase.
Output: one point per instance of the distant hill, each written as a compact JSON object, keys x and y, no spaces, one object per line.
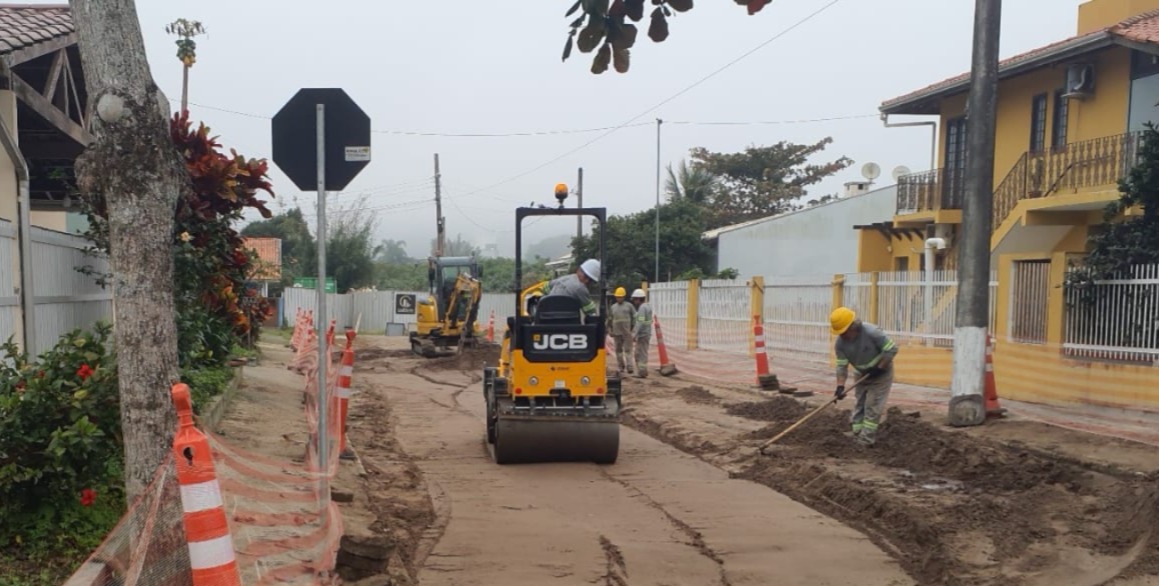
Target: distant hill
{"x":552,"y":247}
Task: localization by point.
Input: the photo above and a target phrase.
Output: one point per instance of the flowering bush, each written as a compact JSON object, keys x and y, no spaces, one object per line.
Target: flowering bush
{"x":60,"y":445}
{"x":211,"y":262}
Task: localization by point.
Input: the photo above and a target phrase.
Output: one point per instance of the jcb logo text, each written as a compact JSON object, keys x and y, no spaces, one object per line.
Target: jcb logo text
{"x":560,"y":342}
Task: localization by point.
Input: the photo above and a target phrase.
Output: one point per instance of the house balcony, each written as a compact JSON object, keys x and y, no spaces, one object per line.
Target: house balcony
{"x":931,"y":196}
{"x":1080,"y":177}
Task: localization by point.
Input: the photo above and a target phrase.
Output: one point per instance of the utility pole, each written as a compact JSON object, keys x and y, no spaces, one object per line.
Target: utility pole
{"x":440,"y":223}
{"x":579,"y":194}
{"x":971,"y":324}
{"x":657,"y":273}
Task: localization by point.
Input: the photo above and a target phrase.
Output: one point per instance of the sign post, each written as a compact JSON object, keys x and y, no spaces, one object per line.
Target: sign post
{"x":320,"y":290}
{"x":321,"y":140}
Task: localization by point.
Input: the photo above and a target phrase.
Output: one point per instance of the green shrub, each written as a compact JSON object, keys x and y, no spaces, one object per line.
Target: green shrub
{"x":206,"y":383}
{"x":60,"y":447}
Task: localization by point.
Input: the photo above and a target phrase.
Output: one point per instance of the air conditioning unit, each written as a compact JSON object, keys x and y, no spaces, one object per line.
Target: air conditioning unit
{"x":1080,"y":81}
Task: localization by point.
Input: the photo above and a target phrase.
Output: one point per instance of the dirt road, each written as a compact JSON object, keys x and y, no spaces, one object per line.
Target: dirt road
{"x":659,"y":516}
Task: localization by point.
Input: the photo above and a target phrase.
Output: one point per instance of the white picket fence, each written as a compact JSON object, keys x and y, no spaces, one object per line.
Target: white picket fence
{"x":373,"y":310}
{"x":65,"y":298}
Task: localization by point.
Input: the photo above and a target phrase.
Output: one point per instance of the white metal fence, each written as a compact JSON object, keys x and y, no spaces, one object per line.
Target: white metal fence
{"x":65,"y":299}
{"x":1115,"y":319}
{"x":373,"y":310}
{"x":796,"y":310}
{"x":725,"y":315}
{"x":670,"y":305}
{"x":9,"y":285}
{"x":797,"y":314}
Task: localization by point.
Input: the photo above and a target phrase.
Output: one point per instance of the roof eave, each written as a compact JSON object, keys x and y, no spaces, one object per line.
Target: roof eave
{"x":926,"y":102}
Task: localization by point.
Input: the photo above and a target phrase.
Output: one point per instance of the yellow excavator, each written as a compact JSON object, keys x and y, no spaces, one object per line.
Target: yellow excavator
{"x":551,"y":399}
{"x":447,"y":317}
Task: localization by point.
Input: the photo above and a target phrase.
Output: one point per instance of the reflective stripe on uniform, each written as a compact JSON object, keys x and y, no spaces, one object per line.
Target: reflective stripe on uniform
{"x":857,"y":426}
{"x":870,"y":425}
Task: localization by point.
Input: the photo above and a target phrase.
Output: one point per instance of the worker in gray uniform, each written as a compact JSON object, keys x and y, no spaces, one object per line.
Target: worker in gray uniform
{"x":623,"y":319}
{"x":871,"y":353}
{"x":641,"y":332}
{"x":576,"y":285}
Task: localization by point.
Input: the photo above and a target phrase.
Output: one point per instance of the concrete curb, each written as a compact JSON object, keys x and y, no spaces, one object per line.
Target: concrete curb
{"x":211,"y":417}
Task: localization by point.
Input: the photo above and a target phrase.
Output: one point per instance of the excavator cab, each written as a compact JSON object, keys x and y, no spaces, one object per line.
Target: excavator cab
{"x":551,"y":399}
{"x":447,"y":317}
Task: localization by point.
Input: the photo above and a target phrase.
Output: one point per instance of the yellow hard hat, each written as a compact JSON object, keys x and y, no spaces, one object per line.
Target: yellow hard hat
{"x":621,"y":292}
{"x":840,"y":320}
{"x":561,"y":189}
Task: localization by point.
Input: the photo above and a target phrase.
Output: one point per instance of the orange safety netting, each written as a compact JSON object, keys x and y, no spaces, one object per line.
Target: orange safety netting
{"x":283,"y":525}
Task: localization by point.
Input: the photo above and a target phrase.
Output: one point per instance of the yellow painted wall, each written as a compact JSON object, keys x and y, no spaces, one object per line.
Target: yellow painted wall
{"x":1103,"y":114}
{"x":7,"y":169}
{"x":1040,"y":374}
{"x":873,"y":252}
{"x":1099,"y":14}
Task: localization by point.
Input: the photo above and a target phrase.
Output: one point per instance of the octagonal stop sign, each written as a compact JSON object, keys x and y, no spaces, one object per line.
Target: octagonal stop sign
{"x":295,"y":136}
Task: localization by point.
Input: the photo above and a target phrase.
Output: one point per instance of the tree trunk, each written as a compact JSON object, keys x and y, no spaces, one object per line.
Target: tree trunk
{"x":134,"y":165}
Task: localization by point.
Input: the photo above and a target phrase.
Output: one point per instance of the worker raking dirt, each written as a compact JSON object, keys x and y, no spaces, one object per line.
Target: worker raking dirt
{"x":871,"y":353}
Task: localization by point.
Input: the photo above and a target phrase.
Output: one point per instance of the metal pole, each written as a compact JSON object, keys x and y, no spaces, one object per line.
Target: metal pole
{"x":579,"y":193}
{"x":440,"y":234}
{"x":657,"y":273}
{"x":323,"y":349}
{"x":967,"y":406}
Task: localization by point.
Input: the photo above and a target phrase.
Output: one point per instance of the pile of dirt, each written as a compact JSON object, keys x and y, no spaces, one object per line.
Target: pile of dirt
{"x":369,"y":354}
{"x":472,"y":358}
{"x":776,"y":408}
{"x":953,"y":508}
{"x":937,"y":489}
{"x":697,"y":395}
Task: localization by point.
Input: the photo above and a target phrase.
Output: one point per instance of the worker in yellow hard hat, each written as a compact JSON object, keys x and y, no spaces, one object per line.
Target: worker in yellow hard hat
{"x":621,"y":317}
{"x":870,"y":351}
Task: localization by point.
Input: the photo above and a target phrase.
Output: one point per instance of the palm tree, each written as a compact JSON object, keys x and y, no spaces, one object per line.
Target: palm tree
{"x":691,"y":183}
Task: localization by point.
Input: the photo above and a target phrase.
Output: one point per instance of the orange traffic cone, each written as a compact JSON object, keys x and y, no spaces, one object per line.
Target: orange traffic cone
{"x":993,"y":408}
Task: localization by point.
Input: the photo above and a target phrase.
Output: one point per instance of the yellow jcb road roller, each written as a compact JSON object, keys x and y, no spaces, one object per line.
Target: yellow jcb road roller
{"x":551,"y":398}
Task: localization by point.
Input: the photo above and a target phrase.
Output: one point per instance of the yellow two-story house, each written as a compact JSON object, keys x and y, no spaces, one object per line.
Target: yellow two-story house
{"x":1069,"y":117}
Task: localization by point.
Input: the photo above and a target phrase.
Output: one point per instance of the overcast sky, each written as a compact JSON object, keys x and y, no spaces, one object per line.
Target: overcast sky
{"x":462,"y":67}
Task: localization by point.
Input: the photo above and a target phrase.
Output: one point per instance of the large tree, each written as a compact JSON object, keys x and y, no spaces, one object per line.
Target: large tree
{"x":604,"y":25}
{"x":631,"y":243}
{"x":762,"y":181}
{"x":690,"y":182}
{"x":134,"y":166}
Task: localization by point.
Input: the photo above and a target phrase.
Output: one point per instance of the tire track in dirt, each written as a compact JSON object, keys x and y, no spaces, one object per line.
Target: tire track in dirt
{"x":636,"y":526}
{"x":695,"y":538}
{"x":616,"y":571}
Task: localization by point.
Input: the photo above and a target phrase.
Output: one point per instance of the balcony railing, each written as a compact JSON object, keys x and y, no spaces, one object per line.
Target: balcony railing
{"x":1099,"y":162}
{"x":1091,"y":163}
{"x":940,"y":189}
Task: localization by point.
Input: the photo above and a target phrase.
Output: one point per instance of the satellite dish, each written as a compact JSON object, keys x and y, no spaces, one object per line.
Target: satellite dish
{"x":900,"y":170}
{"x":871,"y":171}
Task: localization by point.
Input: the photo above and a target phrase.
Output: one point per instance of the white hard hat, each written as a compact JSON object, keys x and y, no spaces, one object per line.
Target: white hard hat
{"x":639,"y":293}
{"x":591,"y":268}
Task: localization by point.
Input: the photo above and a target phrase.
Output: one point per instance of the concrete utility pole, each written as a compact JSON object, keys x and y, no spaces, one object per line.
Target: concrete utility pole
{"x":967,"y":405}
{"x":579,"y":194}
{"x":440,"y":223}
{"x":657,"y":274}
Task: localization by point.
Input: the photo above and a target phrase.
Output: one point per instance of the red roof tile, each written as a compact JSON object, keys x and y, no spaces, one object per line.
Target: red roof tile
{"x":269,"y":251}
{"x":1143,"y":28}
{"x":24,"y":25}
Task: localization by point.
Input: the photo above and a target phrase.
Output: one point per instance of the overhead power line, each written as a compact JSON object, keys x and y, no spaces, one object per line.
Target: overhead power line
{"x":566,"y":131}
{"x":660,"y":104}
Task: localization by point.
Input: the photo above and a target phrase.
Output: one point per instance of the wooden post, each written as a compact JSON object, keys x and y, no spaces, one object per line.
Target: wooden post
{"x":692,"y":326}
